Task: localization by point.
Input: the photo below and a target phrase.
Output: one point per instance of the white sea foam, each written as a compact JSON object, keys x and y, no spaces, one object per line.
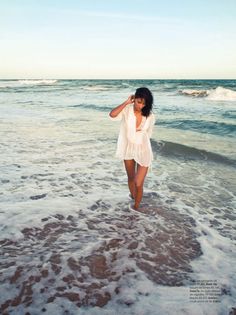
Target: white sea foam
{"x":37,"y":82}
{"x":221,"y":94}
{"x":22,"y":83}
{"x":191,"y":92}
{"x":217,"y":94}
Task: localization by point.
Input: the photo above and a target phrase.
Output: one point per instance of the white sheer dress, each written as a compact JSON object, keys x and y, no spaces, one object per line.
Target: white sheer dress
{"x":134,"y":143}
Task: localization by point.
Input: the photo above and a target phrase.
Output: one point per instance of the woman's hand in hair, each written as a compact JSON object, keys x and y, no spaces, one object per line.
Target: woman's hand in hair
{"x":129,"y":100}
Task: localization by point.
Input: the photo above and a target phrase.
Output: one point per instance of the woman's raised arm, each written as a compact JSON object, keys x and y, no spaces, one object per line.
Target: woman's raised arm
{"x":115,"y":111}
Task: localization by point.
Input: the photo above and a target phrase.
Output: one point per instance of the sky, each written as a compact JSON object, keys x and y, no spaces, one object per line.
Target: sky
{"x":118,"y":39}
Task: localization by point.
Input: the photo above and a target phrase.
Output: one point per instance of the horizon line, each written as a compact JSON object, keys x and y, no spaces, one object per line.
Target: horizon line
{"x":38,"y":78}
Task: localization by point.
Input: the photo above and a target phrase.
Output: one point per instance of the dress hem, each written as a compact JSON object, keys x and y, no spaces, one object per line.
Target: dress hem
{"x":122,"y":159}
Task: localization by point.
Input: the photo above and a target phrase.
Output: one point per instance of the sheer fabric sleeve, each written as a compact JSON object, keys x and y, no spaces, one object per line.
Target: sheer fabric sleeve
{"x":151,"y":125}
{"x":118,"y":117}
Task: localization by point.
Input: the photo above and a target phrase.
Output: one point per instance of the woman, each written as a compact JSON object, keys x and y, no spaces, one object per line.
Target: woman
{"x":133,"y":144}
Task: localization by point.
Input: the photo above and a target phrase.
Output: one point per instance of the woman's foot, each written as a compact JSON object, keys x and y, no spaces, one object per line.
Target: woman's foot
{"x":137,"y":210}
{"x":132,"y":207}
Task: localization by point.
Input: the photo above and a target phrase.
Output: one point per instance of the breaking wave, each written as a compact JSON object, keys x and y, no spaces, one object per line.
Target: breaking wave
{"x":217,"y":94}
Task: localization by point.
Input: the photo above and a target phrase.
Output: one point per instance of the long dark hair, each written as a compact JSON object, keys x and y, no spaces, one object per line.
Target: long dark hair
{"x":146,"y":94}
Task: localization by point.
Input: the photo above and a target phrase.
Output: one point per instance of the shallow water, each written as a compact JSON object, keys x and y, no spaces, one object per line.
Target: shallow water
{"x":68,"y":238}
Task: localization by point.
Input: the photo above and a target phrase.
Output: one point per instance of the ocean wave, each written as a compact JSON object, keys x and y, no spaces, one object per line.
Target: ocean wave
{"x":96,"y":88}
{"x":37,"y":82}
{"x":202,"y":126}
{"x":217,"y":94}
{"x":185,"y":152}
{"x":5,"y":84}
{"x":106,"y":86}
{"x":230,"y":114}
{"x":14,"y":84}
{"x":191,"y":92}
{"x":92,"y":106}
{"x":221,"y":94}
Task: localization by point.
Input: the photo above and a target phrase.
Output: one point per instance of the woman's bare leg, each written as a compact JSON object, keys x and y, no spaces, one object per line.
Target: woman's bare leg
{"x":130,"y":170}
{"x":139,"y":180}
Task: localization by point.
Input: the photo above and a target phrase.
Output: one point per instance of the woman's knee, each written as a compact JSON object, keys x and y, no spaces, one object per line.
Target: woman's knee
{"x":138,"y":183}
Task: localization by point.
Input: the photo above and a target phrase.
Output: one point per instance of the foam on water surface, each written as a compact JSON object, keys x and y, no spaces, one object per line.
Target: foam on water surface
{"x":217,"y":94}
{"x":70,"y":242}
{"x":92,"y":255}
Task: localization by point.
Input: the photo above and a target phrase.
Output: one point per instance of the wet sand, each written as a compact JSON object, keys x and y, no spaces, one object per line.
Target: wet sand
{"x":44,"y":263}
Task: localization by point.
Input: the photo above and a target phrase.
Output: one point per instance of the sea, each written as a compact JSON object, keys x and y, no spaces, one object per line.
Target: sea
{"x":69,"y":242}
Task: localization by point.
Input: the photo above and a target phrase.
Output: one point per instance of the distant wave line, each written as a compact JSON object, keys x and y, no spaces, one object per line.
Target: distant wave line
{"x":203,"y":126}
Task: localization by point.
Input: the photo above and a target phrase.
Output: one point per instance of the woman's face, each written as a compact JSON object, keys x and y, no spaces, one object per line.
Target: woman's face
{"x":139,"y":103}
